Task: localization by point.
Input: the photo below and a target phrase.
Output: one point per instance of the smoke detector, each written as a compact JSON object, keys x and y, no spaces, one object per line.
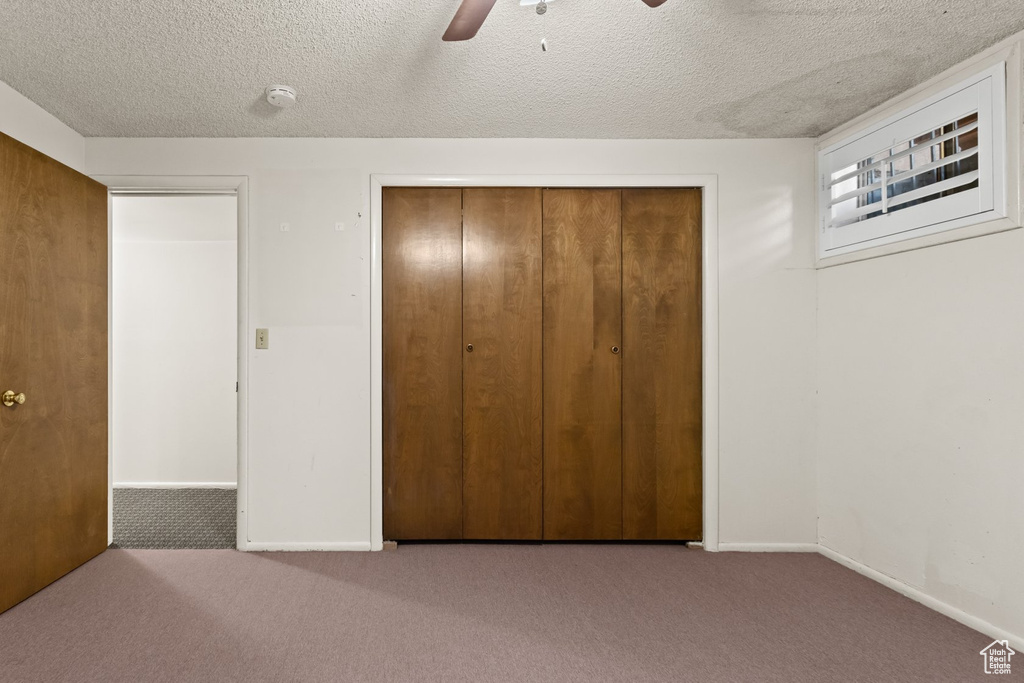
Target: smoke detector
{"x":281,"y":96}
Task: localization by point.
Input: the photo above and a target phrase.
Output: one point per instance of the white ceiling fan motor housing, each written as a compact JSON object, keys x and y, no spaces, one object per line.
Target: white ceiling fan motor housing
{"x":283,"y":96}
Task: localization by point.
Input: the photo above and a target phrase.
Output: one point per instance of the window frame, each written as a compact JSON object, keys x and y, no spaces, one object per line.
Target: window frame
{"x":988,"y":92}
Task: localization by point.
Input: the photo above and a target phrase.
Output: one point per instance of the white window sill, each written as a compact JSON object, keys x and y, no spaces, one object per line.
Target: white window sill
{"x":922,"y":242}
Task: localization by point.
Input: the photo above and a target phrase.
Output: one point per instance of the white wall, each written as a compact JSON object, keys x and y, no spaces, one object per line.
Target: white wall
{"x":921,"y":432}
{"x":30,"y":124}
{"x":309,"y":403}
{"x":921,"y":436}
{"x":174,"y":283}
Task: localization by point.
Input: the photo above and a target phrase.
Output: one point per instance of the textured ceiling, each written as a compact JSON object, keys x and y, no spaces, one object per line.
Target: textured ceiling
{"x":378,"y":68}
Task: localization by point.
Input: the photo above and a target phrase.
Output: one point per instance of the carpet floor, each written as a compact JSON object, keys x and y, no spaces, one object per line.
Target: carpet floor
{"x":478,"y":613}
{"x":175,"y":518}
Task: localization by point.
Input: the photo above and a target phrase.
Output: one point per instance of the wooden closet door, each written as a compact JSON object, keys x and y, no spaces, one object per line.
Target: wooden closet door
{"x":662,"y":364}
{"x":502,"y":439}
{"x":422,"y":373}
{"x":582,"y":374}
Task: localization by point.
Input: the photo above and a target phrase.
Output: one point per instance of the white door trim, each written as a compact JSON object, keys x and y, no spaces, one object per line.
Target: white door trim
{"x":238,"y":185}
{"x":175,"y":485}
{"x":709,"y":185}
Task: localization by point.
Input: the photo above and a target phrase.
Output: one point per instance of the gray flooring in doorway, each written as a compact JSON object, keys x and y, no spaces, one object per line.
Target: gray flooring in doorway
{"x":174,"y":519}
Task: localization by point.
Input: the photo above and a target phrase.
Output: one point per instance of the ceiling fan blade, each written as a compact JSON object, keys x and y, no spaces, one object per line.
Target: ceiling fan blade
{"x":655,"y":3}
{"x":468,"y":19}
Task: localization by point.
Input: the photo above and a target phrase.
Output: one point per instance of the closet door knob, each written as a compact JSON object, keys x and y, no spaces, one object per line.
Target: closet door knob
{"x":469,"y":347}
{"x":615,"y":349}
{"x":10,"y":398}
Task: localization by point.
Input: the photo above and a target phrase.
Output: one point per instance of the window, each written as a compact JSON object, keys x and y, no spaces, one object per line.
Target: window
{"x":937,"y":166}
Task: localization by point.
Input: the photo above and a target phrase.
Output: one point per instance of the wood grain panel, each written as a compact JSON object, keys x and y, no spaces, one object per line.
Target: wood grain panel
{"x":582,"y":377}
{"x":53,"y":347}
{"x":502,"y":306}
{"x":422,"y":373}
{"x":661,"y":375}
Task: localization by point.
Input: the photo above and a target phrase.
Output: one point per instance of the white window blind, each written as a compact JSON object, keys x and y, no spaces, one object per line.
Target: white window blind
{"x":935,"y":166}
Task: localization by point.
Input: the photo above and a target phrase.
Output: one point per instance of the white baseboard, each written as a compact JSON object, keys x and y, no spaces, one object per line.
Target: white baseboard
{"x":175,"y":485}
{"x":978,"y":624}
{"x":917,"y":595}
{"x":768,"y":547}
{"x":257,"y":546}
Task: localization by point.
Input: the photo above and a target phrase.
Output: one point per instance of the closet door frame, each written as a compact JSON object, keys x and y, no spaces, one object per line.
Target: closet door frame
{"x":708,"y":184}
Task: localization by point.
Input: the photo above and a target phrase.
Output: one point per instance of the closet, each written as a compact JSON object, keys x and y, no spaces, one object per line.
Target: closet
{"x":542,"y":364}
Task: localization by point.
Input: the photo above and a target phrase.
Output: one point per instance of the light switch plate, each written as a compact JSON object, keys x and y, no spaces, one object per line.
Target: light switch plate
{"x":262,"y":338}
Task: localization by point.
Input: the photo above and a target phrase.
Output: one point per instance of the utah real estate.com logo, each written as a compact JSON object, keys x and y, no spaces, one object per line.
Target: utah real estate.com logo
{"x":997,"y":657}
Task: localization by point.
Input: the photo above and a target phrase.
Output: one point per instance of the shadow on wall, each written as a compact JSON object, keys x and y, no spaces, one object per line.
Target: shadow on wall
{"x":760,"y":240}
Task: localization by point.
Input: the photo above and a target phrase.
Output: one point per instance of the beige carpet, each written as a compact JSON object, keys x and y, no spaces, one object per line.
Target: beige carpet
{"x":478,"y":613}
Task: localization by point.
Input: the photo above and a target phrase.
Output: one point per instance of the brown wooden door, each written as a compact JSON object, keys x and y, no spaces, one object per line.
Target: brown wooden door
{"x":422,"y":373}
{"x":582,"y":374}
{"x":661,"y":374}
{"x":502,"y":439}
{"x":53,"y":348}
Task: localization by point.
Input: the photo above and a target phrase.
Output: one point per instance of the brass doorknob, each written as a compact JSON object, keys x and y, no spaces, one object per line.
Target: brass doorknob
{"x":469,"y":347}
{"x":615,"y":349}
{"x":10,"y":398}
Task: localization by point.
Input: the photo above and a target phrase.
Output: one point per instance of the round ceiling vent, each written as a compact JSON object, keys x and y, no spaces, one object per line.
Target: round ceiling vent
{"x":281,"y":95}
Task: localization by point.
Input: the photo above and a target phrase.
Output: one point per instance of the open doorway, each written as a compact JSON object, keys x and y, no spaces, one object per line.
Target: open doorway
{"x":174,"y":370}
